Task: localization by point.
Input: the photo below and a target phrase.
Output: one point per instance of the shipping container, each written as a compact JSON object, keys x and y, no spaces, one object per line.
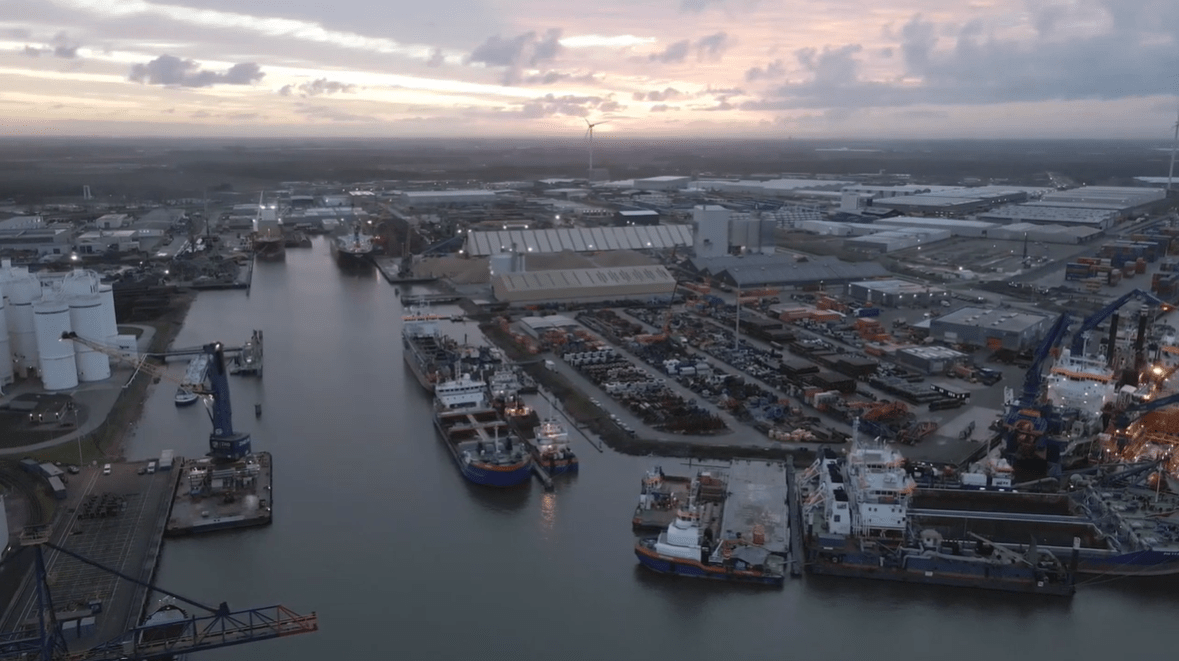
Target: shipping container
{"x":57,"y":487}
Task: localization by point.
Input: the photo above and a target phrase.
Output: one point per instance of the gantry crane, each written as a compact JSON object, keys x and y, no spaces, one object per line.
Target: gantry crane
{"x":157,"y":641}
{"x":225,"y":444}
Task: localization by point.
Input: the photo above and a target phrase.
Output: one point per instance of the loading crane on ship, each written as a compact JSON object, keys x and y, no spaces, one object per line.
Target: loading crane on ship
{"x":225,"y":444}
{"x":1028,"y":418}
{"x":1093,"y":321}
{"x":157,"y":641}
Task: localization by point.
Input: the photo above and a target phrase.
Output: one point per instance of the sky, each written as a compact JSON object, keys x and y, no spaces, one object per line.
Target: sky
{"x":858,"y":69}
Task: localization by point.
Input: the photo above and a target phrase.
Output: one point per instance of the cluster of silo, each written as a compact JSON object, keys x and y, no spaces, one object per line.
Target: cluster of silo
{"x":38,"y":313}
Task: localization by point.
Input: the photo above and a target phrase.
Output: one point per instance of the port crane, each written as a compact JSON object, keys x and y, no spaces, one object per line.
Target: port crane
{"x":1078,"y":344}
{"x":225,"y":444}
{"x":216,"y":627}
{"x":1028,"y":419}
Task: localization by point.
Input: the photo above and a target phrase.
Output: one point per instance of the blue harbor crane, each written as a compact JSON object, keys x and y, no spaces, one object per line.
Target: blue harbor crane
{"x":1029,"y":420}
{"x":204,"y":628}
{"x":225,"y":444}
{"x":1094,"y":320}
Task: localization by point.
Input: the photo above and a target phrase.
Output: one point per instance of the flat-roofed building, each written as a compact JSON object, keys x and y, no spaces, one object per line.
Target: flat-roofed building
{"x":993,"y":328}
{"x":896,"y":293}
{"x":584,"y":285}
{"x":438,"y":197}
{"x":581,"y":239}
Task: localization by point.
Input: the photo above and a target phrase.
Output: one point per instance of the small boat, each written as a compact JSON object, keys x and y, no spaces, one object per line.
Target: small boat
{"x":185,"y":397}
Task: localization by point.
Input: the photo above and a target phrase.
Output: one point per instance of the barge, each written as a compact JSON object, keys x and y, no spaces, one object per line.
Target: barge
{"x":859,"y":524}
{"x":193,"y":381}
{"x":732,"y":527}
{"x":428,"y":353}
{"x":479,"y":440}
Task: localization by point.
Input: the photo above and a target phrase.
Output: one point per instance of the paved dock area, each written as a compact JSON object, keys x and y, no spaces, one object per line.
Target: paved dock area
{"x":758,"y":495}
{"x":126,"y":538}
{"x":218,"y":506}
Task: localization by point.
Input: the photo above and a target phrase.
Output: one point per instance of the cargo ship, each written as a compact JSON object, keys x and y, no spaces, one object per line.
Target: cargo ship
{"x":353,"y":249}
{"x":193,"y":381}
{"x":483,"y":446}
{"x":859,"y":524}
{"x":429,"y":354}
{"x":249,"y":359}
{"x":700,"y":544}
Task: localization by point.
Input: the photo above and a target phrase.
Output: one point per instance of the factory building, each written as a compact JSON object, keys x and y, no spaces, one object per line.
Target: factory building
{"x":898,"y":239}
{"x":1068,"y":234}
{"x":956,"y":227}
{"x":771,"y":187}
{"x":1052,"y":215}
{"x":584,"y":285}
{"x":663,"y":183}
{"x":636,"y":217}
{"x":583,"y":239}
{"x":990,"y":328}
{"x":438,"y":197}
{"x":929,"y":360}
{"x":896,"y":293}
{"x":36,"y":311}
{"x":776,"y":271}
{"x":112,"y":221}
{"x":710,"y":225}
{"x":954,"y":201}
{"x":1124,"y":199}
{"x":31,"y":234}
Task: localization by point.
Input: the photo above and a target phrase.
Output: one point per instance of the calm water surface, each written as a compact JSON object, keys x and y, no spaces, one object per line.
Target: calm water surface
{"x":376,"y":530}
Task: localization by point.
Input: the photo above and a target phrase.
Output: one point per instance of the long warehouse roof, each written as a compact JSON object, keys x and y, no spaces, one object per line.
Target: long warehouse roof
{"x":573,"y":282}
{"x":582,"y":239}
{"x":798,"y":273}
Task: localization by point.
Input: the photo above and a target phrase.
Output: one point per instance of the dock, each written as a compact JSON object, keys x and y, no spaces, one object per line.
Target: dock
{"x":390,"y":269}
{"x":429,"y":299}
{"x":794,"y":504}
{"x":758,"y":495}
{"x":542,"y":475}
{"x":118,"y":521}
{"x":209,"y":497}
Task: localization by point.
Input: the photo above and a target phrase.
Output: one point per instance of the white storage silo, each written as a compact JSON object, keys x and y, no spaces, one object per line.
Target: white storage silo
{"x":21,"y":290}
{"x":86,"y":321}
{"x":110,"y":327}
{"x":59,"y":371}
{"x":5,"y":348}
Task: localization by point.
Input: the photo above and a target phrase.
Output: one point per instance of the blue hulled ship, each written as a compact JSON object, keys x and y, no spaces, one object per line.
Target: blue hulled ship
{"x":482,"y":444}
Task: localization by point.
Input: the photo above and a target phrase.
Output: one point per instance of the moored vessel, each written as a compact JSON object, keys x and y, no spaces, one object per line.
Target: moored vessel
{"x":550,"y":448}
{"x":193,"y":381}
{"x":700,"y":544}
{"x":429,"y":354}
{"x":481,"y":443}
{"x":353,"y":248}
{"x":859,"y":525}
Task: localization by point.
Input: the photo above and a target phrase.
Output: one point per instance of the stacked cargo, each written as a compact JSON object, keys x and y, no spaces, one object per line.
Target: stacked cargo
{"x":1077,"y":271}
{"x":855,"y":367}
{"x":828,"y":380}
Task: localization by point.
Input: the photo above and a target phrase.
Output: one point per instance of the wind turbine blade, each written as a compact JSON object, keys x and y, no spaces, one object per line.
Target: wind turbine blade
{"x":587,"y":123}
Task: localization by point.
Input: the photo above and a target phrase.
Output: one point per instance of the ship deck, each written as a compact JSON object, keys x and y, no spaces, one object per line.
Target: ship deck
{"x":757,"y":494}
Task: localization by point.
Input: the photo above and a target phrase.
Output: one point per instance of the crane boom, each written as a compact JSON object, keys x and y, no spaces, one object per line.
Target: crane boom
{"x":1078,"y":344}
{"x":1033,"y":379}
{"x":224,"y":443}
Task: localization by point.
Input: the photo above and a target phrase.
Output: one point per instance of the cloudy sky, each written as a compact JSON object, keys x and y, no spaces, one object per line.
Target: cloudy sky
{"x":758,"y":68}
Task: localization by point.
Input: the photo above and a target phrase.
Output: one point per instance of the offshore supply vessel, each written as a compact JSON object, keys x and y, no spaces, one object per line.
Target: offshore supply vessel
{"x":859,"y":524}
{"x":704,"y":540}
{"x":483,"y":446}
{"x":550,"y":447}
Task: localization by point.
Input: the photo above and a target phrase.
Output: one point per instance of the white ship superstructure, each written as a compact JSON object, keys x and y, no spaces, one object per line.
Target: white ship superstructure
{"x":1081,"y":382}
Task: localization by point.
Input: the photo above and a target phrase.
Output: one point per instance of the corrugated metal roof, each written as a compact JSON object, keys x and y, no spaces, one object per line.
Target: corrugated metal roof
{"x":802,"y":272}
{"x":578,"y":240}
{"x":582,"y":278}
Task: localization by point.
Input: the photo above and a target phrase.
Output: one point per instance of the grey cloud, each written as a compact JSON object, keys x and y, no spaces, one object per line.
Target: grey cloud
{"x":710,"y":47}
{"x":516,"y":53}
{"x":775,"y":69}
{"x":917,"y":42}
{"x":676,"y":52}
{"x":15,"y":33}
{"x":552,"y":77}
{"x":241,"y":116}
{"x":662,"y":107}
{"x":669,"y":94}
{"x":697,"y":6}
{"x":713,"y":46}
{"x":64,"y":47}
{"x":317,"y":87}
{"x":982,"y":68}
{"x":569,"y":104}
{"x":33,"y":51}
{"x":436,"y":58}
{"x":171,"y":70}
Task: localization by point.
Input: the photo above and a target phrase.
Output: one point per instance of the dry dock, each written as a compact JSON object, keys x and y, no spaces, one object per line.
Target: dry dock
{"x":116,"y":520}
{"x":210,"y":497}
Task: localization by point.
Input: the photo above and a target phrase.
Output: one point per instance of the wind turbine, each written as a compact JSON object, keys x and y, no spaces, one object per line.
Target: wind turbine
{"x":589,"y":133}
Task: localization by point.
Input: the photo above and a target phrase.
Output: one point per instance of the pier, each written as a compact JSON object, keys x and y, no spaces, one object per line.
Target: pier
{"x":542,"y":475}
{"x":390,"y":269}
{"x":757,"y":497}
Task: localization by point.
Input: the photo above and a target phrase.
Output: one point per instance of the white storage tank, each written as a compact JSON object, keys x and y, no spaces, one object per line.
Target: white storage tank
{"x":21,"y":290}
{"x":59,"y":371}
{"x":110,"y":327}
{"x":86,"y":320}
{"x":5,"y":348}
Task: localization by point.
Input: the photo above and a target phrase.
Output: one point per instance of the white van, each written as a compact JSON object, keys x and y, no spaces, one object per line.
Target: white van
{"x":151,"y":466}
{"x":106,"y":469}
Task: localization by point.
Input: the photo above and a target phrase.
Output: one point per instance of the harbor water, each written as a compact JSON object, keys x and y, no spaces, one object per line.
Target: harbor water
{"x":375,"y":529}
